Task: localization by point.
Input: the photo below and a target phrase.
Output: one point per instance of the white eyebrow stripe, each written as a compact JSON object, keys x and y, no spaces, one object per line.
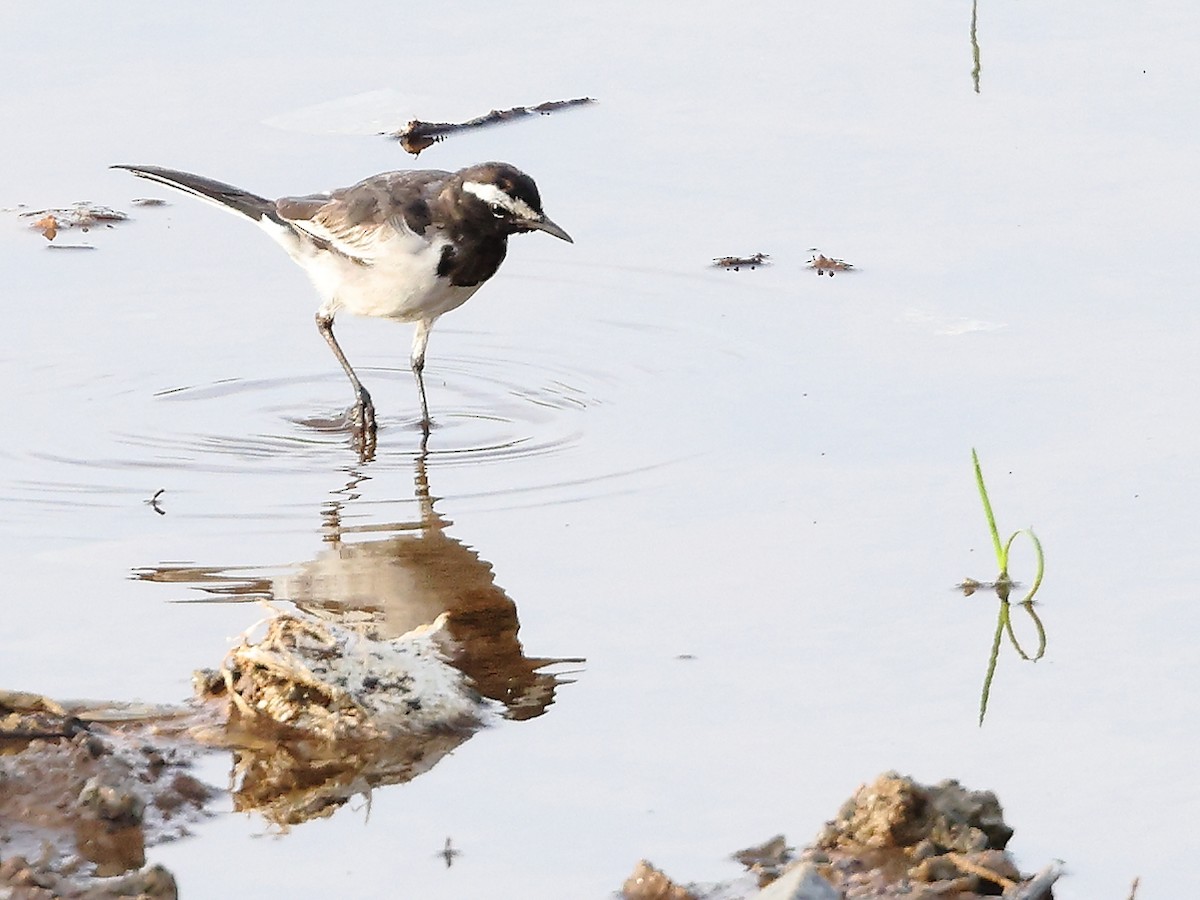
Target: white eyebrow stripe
{"x":492,"y":195}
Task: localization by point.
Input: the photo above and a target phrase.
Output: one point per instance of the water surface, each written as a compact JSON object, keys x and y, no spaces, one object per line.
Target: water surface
{"x":765,"y":472}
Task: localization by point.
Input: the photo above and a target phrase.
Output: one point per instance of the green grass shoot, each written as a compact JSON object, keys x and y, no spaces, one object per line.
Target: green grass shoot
{"x":1004,"y":585}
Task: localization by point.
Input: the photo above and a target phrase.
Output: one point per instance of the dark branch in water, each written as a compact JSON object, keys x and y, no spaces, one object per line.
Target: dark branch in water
{"x":418,"y":135}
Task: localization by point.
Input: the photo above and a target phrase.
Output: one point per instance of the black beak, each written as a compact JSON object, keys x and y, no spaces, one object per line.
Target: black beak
{"x":544,"y":224}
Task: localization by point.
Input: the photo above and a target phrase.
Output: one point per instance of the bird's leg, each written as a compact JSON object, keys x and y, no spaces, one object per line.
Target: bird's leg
{"x":425,"y":423}
{"x":364,"y":409}
{"x":417,"y":361}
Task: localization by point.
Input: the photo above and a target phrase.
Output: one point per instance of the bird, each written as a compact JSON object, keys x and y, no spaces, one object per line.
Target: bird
{"x":408,"y":245}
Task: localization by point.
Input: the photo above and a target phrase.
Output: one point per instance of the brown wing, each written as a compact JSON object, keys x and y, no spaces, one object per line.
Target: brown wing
{"x":353,"y":220}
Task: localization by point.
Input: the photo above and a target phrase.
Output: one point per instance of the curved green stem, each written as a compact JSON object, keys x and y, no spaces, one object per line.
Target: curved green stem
{"x":1041,"y":561}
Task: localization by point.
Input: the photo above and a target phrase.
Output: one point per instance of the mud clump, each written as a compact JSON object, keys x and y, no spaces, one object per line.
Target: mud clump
{"x":81,"y":801}
{"x":22,"y":880}
{"x":896,"y":812}
{"x":893,"y":838}
{"x":308,"y":679}
{"x":896,"y":837}
{"x":648,"y":883}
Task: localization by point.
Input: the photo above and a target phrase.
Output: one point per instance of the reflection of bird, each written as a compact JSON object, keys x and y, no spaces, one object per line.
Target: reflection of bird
{"x":408,"y":245}
{"x":408,"y":579}
{"x":395,"y":578}
{"x":395,"y":592}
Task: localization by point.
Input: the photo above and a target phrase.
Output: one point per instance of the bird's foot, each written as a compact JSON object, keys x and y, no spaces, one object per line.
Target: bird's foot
{"x":362,"y":417}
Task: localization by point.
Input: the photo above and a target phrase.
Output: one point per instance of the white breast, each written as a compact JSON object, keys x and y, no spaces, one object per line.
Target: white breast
{"x":398,"y":279}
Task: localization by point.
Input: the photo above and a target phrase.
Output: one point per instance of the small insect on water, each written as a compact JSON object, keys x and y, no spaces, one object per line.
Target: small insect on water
{"x":448,"y":853}
{"x":153,"y":502}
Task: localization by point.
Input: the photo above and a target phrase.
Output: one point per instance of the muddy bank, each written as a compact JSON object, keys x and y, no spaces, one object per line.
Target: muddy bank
{"x":312,"y":713}
{"x":309,"y":724}
{"x":81,"y":799}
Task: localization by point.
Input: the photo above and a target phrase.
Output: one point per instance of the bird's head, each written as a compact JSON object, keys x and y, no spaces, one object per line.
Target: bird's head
{"x":509,"y":197}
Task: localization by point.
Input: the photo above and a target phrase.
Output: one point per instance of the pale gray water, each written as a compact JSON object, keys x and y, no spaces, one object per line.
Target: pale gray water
{"x":767,"y":470}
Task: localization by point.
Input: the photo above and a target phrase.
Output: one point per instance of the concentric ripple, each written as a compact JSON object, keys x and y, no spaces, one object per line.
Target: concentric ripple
{"x":517,"y":417}
{"x":481,"y":409}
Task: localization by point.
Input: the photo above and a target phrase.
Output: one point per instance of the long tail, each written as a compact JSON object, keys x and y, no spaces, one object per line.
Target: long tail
{"x":224,"y":195}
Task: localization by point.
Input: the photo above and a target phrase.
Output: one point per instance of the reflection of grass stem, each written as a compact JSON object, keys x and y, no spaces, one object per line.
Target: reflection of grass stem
{"x":1003,"y":585}
{"x":1041,"y":630}
{"x":991,"y":669}
{"x":975,"y":44}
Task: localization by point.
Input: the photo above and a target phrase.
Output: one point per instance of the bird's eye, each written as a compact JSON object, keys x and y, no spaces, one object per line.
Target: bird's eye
{"x":498,"y":210}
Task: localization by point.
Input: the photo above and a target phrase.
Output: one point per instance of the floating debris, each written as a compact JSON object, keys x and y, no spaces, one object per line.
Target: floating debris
{"x":736,"y":263}
{"x":1003,"y":587}
{"x":84,"y":216}
{"x":827,"y":265}
{"x":148,"y":201}
{"x":418,"y":135}
{"x":48,"y":226}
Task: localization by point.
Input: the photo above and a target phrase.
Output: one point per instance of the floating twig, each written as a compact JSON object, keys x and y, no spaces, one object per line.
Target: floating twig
{"x":418,"y":135}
